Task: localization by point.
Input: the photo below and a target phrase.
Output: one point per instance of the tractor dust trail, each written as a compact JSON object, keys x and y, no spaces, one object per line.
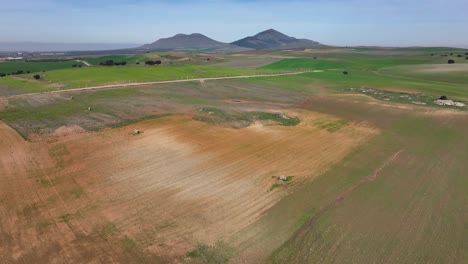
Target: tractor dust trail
{"x":110,"y":86}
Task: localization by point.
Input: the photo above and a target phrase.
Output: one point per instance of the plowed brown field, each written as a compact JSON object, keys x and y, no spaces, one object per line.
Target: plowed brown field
{"x":110,"y":196}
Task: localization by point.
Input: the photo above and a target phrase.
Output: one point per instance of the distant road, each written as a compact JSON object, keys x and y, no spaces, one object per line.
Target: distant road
{"x":110,"y":86}
{"x":85,"y":63}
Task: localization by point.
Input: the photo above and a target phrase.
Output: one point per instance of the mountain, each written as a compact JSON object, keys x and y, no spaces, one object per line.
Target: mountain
{"x":195,"y":41}
{"x":272,"y":39}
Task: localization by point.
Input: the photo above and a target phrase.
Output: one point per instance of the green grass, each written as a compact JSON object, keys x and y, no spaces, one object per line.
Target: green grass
{"x":274,"y":186}
{"x":95,"y":76}
{"x":33,"y":67}
{"x":358,"y":62}
{"x":368,"y":79}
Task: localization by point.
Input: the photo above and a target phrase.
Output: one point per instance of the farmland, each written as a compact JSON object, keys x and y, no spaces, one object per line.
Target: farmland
{"x":368,"y":175}
{"x":94,"y":76}
{"x":35,"y":66}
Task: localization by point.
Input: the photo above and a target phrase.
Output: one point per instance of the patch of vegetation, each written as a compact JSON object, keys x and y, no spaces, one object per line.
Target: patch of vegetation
{"x":216,"y":116}
{"x":274,"y":186}
{"x":127,"y":122}
{"x":76,"y":193}
{"x":219,"y":253}
{"x":44,"y":224}
{"x":281,"y":119}
{"x":331,"y":126}
{"x":289,"y":178}
{"x":111,"y":230}
{"x":128,"y":244}
{"x":66,"y":217}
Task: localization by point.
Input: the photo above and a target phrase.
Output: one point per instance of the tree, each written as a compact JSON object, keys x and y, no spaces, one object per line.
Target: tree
{"x":149,"y":62}
{"x":109,"y":62}
{"x":2,"y":74}
{"x":345,"y":73}
{"x":451,"y":61}
{"x":459,"y":55}
{"x":123,"y":63}
{"x":157,"y":62}
{"x":443,"y":97}
{"x":37,"y":76}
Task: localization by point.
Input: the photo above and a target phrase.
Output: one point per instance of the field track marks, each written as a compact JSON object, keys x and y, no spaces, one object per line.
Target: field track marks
{"x":110,"y":86}
{"x":369,"y":178}
{"x":344,"y":194}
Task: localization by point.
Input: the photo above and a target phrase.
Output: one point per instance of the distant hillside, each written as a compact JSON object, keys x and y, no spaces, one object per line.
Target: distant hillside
{"x":272,"y":39}
{"x":193,"y":41}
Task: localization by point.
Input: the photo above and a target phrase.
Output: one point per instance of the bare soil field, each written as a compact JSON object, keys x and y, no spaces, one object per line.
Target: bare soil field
{"x":111,"y":196}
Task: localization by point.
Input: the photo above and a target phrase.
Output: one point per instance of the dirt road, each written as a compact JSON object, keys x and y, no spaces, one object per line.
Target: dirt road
{"x":110,"y":86}
{"x":85,"y":63}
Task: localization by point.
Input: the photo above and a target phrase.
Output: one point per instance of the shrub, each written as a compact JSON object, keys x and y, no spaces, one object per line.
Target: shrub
{"x":443,"y":97}
{"x":345,"y":73}
{"x":2,"y":74}
{"x":459,"y":55}
{"x":37,"y":76}
{"x":451,"y":61}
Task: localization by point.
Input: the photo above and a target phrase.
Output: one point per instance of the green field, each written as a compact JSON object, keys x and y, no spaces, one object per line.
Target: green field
{"x":14,"y":66}
{"x":94,"y":76}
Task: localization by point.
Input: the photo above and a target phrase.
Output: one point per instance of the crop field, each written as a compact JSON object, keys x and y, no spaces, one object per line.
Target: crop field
{"x":35,"y":66}
{"x":94,"y":76}
{"x":319,"y":167}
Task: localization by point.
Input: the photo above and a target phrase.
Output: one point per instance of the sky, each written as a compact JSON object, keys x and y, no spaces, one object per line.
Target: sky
{"x":332,"y":22}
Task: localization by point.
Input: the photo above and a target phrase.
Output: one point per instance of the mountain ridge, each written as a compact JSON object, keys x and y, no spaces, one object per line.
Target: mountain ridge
{"x":193,"y":41}
{"x":273,"y":39}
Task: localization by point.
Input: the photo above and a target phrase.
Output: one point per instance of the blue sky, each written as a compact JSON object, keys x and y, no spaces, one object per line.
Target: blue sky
{"x":334,"y":22}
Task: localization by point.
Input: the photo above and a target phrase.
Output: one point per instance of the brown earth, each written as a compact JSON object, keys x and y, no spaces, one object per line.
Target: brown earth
{"x":113,"y":197}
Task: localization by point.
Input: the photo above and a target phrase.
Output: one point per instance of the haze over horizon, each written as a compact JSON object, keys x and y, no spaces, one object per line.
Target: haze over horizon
{"x":336,"y":22}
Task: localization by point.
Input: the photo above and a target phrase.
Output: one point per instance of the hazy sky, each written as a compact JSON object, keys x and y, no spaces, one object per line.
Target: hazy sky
{"x":334,"y":22}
